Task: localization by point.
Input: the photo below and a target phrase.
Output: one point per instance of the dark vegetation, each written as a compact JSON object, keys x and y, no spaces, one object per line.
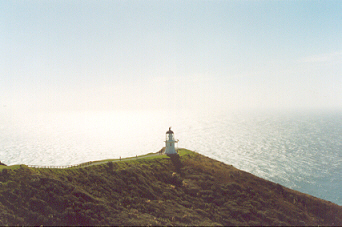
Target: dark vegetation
{"x":151,"y":192}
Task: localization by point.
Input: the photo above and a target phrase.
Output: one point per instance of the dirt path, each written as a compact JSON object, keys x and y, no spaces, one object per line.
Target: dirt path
{"x":124,"y":159}
{"x":91,"y":163}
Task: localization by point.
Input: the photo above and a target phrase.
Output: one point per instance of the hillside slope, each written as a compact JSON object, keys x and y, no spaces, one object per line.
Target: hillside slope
{"x":158,"y":191}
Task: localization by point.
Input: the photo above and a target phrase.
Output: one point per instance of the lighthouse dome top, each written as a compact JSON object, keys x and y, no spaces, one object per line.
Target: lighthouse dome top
{"x":170,"y":131}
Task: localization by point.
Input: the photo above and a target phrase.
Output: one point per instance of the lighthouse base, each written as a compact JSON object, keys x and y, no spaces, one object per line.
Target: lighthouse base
{"x":170,"y":150}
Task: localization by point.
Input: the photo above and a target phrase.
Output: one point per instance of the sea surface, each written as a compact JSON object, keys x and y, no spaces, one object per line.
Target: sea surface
{"x":300,"y":150}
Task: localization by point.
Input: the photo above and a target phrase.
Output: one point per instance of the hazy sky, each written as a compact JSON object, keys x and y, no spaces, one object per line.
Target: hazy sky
{"x":113,"y":55}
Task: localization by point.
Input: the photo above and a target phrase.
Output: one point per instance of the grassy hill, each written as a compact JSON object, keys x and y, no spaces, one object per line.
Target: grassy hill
{"x":191,"y":190}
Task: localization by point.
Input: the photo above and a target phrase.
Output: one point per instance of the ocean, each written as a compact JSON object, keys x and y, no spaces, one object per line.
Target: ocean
{"x":300,"y":150}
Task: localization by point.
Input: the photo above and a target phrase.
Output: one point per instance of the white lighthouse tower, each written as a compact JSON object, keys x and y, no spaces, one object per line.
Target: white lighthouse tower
{"x":170,"y":143}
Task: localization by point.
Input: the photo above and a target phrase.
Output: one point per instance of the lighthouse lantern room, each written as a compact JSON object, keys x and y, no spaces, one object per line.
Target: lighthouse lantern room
{"x":170,"y":143}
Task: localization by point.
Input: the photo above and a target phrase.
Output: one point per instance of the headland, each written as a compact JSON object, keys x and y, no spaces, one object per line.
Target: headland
{"x":189,"y":189}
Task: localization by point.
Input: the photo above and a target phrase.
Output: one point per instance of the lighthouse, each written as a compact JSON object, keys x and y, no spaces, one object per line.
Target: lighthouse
{"x":170,"y":143}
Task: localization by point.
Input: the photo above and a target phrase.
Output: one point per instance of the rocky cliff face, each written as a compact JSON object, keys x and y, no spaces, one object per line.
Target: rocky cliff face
{"x":200,"y":191}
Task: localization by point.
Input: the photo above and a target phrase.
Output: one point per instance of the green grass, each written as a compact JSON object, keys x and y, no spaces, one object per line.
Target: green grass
{"x":181,"y":152}
{"x":9,"y":167}
{"x":149,"y":191}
